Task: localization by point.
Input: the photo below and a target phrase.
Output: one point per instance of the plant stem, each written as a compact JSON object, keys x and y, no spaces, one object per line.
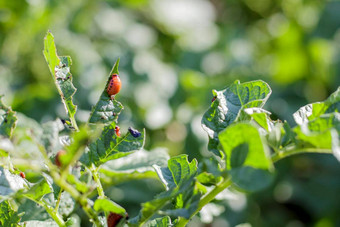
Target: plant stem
{"x":206,"y":199}
{"x":286,"y":153}
{"x":63,"y":184}
{"x":55,"y":215}
{"x":82,"y":200}
{"x":58,"y":201}
{"x":74,"y":123}
{"x":96,"y":178}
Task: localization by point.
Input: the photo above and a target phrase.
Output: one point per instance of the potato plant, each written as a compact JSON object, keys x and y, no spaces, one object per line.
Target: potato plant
{"x":67,"y":163}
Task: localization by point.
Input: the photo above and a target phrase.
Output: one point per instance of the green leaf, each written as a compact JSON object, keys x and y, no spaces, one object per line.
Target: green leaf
{"x":179,"y":181}
{"x":66,"y":205}
{"x":315,"y":110}
{"x":159,"y":222}
{"x":317,"y":132}
{"x":228,"y":106}
{"x":8,"y":120}
{"x":274,"y":130}
{"x":107,"y":205}
{"x":109,"y":146}
{"x":60,"y":70}
{"x":251,"y":179}
{"x":76,"y":149}
{"x":38,"y":190}
{"x":10,"y":183}
{"x":31,"y":139}
{"x":151,"y":207}
{"x":140,"y":161}
{"x":288,"y":136}
{"x":32,"y":211}
{"x":181,"y":169}
{"x":244,"y":136}
{"x":210,"y":172}
{"x":247,"y":157}
{"x":49,"y":136}
{"x":238,"y":155}
{"x":135,"y":166}
{"x":79,"y":185}
{"x":49,"y":223}
{"x":8,"y":217}
{"x":261,"y":117}
{"x":106,"y":109}
{"x":335,"y":144}
{"x":73,"y":221}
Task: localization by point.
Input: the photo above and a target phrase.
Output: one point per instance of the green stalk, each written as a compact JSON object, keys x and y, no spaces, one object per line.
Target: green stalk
{"x":96,"y":178}
{"x":206,"y":199}
{"x":74,"y":123}
{"x":82,"y":200}
{"x":58,"y":201}
{"x":61,"y":182}
{"x":51,"y":211}
{"x":286,"y":153}
{"x":55,"y":215}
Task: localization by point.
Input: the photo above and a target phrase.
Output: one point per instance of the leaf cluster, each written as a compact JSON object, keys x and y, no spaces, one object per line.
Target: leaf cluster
{"x":68,"y":165}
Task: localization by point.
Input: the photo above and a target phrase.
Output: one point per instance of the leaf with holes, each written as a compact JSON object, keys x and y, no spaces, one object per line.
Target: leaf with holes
{"x":60,"y":70}
{"x":8,"y":120}
{"x":106,"y":109}
{"x":228,"y":106}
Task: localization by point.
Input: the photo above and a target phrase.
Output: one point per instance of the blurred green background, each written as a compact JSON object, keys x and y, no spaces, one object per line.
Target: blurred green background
{"x":173,"y":53}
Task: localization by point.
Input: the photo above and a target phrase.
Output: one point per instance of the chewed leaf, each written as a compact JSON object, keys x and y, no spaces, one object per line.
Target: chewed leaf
{"x":60,"y":70}
{"x":106,"y":109}
{"x":228,"y":105}
{"x":8,"y":120}
{"x":109,"y":146}
{"x":315,"y":110}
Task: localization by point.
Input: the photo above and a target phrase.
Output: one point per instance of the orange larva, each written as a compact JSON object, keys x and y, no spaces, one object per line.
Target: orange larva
{"x":57,"y":157}
{"x":114,"y":219}
{"x":114,"y":85}
{"x":117,"y":130}
{"x":22,"y":174}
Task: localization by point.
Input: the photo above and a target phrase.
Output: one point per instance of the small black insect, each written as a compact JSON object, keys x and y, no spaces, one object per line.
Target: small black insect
{"x":134,"y":132}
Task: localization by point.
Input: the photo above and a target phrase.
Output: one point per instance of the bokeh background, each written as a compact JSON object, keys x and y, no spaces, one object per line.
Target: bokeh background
{"x":172,"y":54}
